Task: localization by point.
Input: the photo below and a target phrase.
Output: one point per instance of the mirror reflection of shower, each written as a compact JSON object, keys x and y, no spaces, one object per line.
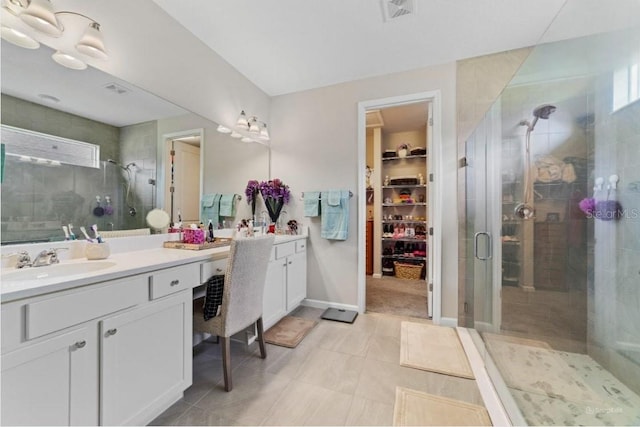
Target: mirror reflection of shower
{"x":526,"y":210}
{"x":127,"y":169}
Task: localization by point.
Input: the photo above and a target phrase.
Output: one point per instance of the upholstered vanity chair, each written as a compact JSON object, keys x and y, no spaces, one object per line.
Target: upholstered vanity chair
{"x":241,"y":298}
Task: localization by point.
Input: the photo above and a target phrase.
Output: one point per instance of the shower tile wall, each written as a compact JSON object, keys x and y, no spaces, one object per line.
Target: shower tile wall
{"x":614,"y":291}
{"x":556,"y":310}
{"x":65,"y":194}
{"x":138,"y":144}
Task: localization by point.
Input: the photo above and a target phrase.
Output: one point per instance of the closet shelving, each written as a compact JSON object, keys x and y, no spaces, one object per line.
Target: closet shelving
{"x":402,"y":214}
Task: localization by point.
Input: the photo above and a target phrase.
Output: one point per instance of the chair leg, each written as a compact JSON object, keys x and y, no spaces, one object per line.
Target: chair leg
{"x":226,"y":362}
{"x":263,"y":349}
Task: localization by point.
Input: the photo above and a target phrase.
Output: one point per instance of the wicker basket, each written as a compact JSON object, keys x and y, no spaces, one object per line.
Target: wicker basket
{"x":408,"y":271}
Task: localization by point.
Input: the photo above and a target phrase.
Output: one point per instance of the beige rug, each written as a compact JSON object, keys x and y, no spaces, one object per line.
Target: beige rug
{"x":433,"y":348}
{"x":289,"y":331}
{"x":415,"y":408}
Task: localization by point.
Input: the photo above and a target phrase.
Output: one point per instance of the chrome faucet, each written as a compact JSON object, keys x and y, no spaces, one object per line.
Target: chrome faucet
{"x":47,"y":257}
{"x":24,"y":260}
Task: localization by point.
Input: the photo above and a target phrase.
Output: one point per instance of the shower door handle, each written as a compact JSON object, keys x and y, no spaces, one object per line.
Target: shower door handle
{"x":489,"y":245}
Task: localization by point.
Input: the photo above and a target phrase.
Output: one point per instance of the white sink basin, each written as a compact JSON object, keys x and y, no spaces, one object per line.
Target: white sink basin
{"x":56,"y":270}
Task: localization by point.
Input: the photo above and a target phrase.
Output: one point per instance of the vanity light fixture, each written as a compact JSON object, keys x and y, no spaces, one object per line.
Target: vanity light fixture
{"x":242,"y":122}
{"x":223,"y":129}
{"x":19,"y":38}
{"x":264,"y":133}
{"x":257,"y":130}
{"x":40,"y":15}
{"x":254,"y":127}
{"x":69,"y":60}
{"x":247,"y":139}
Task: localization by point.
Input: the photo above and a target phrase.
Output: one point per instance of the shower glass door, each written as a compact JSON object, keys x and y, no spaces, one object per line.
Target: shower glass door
{"x":482,"y":304}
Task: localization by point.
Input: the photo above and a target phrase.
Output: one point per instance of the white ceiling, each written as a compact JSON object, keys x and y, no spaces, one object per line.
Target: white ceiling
{"x":286,"y":46}
{"x":28,"y":74}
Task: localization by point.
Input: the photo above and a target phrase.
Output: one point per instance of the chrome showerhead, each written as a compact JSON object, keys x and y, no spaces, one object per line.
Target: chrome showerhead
{"x":540,"y":112}
{"x":544,"y":111}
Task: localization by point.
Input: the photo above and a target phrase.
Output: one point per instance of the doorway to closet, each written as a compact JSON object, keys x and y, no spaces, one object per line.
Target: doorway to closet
{"x":398,"y":269}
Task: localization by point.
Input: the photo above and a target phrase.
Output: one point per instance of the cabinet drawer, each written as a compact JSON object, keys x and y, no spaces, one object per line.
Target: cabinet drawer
{"x":211,"y":268}
{"x":301,"y":245}
{"x":170,"y":280}
{"x":285,"y":249}
{"x":50,"y":315}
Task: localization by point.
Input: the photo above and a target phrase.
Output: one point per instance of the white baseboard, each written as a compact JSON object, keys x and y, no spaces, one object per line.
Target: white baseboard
{"x":326,"y":304}
{"x":376,"y":276}
{"x":448,"y":321}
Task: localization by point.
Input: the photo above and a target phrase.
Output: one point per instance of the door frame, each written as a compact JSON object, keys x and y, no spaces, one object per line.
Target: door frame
{"x":434,"y":162}
{"x":161,"y":162}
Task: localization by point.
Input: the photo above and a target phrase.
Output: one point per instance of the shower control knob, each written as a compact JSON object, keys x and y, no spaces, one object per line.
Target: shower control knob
{"x":524,"y":211}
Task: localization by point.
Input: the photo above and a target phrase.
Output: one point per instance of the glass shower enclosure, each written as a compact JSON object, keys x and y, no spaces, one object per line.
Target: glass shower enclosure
{"x":552,"y":236}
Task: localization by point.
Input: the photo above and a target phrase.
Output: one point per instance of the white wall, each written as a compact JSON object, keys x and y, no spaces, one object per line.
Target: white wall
{"x":314,"y":147}
{"x":314,"y":134}
{"x":228,"y":162}
{"x":151,"y":50}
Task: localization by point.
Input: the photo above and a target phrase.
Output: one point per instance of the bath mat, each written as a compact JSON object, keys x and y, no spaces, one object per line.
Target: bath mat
{"x":433,"y":348}
{"x":539,"y":370}
{"x":289,"y":331}
{"x":415,"y":408}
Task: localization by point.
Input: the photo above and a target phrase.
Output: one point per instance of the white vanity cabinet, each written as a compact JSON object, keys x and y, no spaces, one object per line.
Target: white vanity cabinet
{"x":145,"y":359}
{"x":51,"y":382}
{"x":286,"y":281}
{"x":110,"y":353}
{"x":297,"y":275}
{"x":274,"y":302}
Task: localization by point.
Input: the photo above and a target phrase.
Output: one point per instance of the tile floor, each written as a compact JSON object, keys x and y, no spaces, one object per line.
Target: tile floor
{"x":341,"y":374}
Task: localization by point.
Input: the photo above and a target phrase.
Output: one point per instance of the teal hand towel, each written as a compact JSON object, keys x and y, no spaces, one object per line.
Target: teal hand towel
{"x":228,"y":205}
{"x":210,"y":209}
{"x":311,"y":203}
{"x":335,"y":215}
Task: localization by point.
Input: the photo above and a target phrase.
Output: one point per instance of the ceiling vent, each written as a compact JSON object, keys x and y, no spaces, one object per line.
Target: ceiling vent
{"x":392,"y":9}
{"x":116,"y":88}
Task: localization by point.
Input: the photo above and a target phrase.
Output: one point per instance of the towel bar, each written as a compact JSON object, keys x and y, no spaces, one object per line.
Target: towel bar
{"x":350,"y":195}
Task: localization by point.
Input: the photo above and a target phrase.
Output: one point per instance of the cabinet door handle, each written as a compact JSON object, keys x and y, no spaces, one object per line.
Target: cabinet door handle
{"x":80,"y":344}
{"x":174,"y":282}
{"x":219,"y":270}
{"x":290,"y":262}
{"x":112,"y":331}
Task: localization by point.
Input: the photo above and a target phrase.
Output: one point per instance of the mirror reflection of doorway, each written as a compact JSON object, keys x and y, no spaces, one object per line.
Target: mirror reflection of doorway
{"x":182,"y":183}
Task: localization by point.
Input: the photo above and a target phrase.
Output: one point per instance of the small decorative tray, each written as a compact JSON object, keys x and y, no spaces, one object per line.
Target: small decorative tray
{"x":217,"y":242}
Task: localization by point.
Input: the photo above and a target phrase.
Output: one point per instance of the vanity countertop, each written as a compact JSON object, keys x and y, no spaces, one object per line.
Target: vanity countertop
{"x":125,"y":264}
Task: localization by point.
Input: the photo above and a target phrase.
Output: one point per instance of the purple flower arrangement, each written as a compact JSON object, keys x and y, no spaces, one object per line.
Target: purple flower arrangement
{"x":252,"y":190}
{"x":253,"y":187}
{"x":587,"y":205}
{"x":275,"y":195}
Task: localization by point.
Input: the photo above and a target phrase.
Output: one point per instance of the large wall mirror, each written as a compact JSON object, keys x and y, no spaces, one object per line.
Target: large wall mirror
{"x":132,"y":130}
